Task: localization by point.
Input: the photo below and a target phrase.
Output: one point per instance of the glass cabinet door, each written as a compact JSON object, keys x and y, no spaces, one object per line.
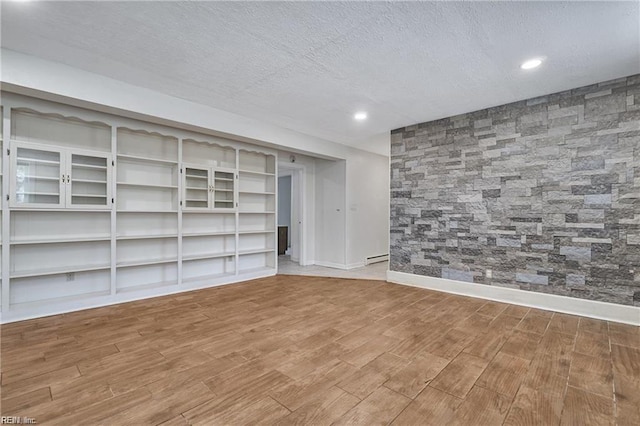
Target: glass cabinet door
{"x":197,"y":188}
{"x":38,"y":177}
{"x":88,"y":181}
{"x":223,"y":190}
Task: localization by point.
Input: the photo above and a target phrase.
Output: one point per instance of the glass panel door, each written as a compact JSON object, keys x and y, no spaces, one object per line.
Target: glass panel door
{"x":197,"y":188}
{"x":88,"y":182}
{"x":223,"y":190}
{"x":38,"y":177}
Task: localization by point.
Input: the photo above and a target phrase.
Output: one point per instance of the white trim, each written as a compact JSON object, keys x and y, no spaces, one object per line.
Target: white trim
{"x":550,"y":302}
{"x":376,"y":259}
{"x":43,"y":310}
{"x":297,"y":172}
{"x":339,"y":265}
{"x":330,"y":264}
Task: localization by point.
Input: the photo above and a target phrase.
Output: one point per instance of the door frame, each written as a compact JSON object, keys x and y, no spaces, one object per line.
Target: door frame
{"x":298,"y":196}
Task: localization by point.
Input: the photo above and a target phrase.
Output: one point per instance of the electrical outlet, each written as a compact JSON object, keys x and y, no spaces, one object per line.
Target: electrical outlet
{"x":489,"y":273}
{"x":71,"y":276}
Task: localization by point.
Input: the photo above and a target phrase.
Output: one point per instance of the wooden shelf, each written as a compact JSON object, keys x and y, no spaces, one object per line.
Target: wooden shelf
{"x":252,"y":172}
{"x":89,"y":195}
{"x":46,"y":178}
{"x":259,"y":269}
{"x":73,"y":180}
{"x":144,"y":237}
{"x":256,"y":212}
{"x":61,"y":240}
{"x":146,"y":211}
{"x":207,"y":234}
{"x":35,"y":160}
{"x":46,"y":194}
{"x":266,"y":231}
{"x":203,"y":210}
{"x":146,"y":286}
{"x":147,"y":185}
{"x":88,"y":166}
{"x":207,"y":256}
{"x":58,"y":209}
{"x":38,"y":303}
{"x":256,"y":251}
{"x":208,"y":277}
{"x":146,"y":262}
{"x":56,"y":271}
{"x":257,"y":193}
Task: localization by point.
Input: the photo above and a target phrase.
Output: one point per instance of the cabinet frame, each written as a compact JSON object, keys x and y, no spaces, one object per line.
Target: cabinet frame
{"x":64,"y":179}
{"x":211,"y":188}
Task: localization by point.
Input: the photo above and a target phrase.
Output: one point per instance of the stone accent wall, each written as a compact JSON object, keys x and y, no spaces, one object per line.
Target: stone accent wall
{"x":540,"y":195}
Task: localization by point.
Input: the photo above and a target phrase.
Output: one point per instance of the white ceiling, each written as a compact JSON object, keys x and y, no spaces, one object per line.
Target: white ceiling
{"x":310,"y":66}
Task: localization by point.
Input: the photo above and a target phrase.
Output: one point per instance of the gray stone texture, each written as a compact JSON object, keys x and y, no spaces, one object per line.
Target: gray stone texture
{"x":543,"y":192}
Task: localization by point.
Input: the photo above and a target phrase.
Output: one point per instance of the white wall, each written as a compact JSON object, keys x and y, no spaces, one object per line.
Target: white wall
{"x":330,"y":213}
{"x":284,"y":201}
{"x":367,"y":207}
{"x":333,"y":183}
{"x":305,"y":254}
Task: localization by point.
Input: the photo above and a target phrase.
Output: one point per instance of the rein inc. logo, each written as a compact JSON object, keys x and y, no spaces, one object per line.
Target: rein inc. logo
{"x":15,"y":420}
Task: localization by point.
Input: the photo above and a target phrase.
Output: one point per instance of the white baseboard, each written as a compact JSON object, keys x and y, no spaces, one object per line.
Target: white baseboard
{"x":339,"y":265}
{"x":44,"y":309}
{"x":550,"y":302}
{"x":330,"y":264}
{"x":376,"y":259}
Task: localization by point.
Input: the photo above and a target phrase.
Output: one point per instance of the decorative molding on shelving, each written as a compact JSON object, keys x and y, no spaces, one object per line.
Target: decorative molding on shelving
{"x":549,"y":302}
{"x":58,"y":116}
{"x":146,"y":132}
{"x":222,"y":143}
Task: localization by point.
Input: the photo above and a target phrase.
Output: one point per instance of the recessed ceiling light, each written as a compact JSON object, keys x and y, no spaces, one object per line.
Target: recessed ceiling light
{"x":360,"y":116}
{"x":531,"y":64}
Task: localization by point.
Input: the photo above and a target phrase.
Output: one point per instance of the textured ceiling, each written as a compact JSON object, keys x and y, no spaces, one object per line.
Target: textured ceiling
{"x":310,"y":66}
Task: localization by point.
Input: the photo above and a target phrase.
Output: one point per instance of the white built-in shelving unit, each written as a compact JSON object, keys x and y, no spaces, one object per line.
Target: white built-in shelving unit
{"x":101,"y":209}
{"x":257,"y":211}
{"x":2,"y":198}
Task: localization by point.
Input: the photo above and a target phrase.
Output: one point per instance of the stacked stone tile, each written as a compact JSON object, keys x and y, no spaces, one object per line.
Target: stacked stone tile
{"x":545,"y":193}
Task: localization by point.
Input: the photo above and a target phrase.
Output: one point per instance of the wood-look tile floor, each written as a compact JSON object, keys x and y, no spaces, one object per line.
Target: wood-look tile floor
{"x":313,"y":351}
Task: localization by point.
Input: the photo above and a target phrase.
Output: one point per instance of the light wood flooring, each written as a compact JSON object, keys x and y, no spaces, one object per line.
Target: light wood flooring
{"x":313,"y":351}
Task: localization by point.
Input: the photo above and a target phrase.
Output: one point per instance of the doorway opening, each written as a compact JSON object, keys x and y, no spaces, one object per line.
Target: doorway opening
{"x":290,"y":213}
